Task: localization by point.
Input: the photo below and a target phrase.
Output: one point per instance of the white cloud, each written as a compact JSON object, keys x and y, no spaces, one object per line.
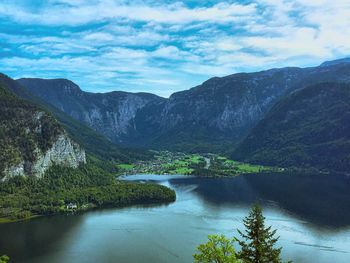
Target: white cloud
{"x":152,"y":45}
{"x":85,"y":13}
{"x":99,"y":36}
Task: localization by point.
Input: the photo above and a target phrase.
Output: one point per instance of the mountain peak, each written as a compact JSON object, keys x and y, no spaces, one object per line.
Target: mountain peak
{"x":64,"y":85}
{"x":335,"y":62}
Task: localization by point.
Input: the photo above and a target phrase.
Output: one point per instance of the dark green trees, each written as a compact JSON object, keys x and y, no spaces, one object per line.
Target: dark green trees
{"x":306,"y":129}
{"x":258,"y":241}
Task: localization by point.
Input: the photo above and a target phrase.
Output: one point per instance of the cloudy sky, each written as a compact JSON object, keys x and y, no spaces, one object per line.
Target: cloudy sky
{"x":165,"y":46}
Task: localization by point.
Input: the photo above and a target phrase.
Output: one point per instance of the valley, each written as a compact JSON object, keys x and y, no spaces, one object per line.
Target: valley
{"x":278,"y":137}
{"x":207,"y":165}
{"x":187,"y":131}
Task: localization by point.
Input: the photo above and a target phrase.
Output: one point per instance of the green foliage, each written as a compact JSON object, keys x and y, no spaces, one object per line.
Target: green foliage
{"x":257,"y":244}
{"x":88,"y":186}
{"x":258,"y":241}
{"x":221,"y":167}
{"x":218,"y":249}
{"x":4,"y":259}
{"x":308,"y":129}
{"x":26,"y":128}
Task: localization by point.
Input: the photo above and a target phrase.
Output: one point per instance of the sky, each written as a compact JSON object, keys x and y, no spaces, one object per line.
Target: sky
{"x":166,"y":46}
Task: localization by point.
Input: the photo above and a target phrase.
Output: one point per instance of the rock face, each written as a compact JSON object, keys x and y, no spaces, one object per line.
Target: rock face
{"x":111,"y":114}
{"x":219,"y":111}
{"x":31,"y":140}
{"x":63,"y":152}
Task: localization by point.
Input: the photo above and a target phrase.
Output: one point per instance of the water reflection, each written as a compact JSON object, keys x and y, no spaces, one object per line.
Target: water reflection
{"x":170,"y":233}
{"x":322,"y":200}
{"x":35,"y":237}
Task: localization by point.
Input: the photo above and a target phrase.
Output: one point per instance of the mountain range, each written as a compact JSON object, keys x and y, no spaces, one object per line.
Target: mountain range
{"x":221,"y":115}
{"x":220,"y":112}
{"x":94,"y":142}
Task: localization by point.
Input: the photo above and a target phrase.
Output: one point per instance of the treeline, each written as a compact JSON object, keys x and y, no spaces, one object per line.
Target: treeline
{"x":86,"y":187}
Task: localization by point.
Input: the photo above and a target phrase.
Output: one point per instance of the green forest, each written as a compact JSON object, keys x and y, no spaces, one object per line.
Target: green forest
{"x":87,"y":187}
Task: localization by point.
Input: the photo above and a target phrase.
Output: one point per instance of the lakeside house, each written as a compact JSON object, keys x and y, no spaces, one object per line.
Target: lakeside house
{"x":71,"y":206}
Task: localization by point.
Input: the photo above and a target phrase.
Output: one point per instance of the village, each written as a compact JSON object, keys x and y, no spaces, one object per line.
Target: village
{"x":166,"y":162}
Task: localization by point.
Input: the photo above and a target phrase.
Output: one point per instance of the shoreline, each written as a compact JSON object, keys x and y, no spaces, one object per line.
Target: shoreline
{"x":92,"y":207}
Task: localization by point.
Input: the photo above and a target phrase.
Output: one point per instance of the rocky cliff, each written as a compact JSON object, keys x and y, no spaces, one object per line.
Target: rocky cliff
{"x":112,"y":114}
{"x":31,"y":140}
{"x":63,"y":152}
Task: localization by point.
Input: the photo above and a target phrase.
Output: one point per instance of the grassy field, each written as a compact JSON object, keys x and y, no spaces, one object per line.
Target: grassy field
{"x":196,"y":159}
{"x":181,"y":163}
{"x":125,"y":166}
{"x":243,"y":167}
{"x":184,"y":165}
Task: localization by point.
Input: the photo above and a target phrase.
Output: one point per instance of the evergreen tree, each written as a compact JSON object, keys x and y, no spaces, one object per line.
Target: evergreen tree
{"x":258,"y":241}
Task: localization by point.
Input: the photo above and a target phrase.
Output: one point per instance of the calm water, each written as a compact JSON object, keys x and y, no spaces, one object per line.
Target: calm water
{"x":312,"y":215}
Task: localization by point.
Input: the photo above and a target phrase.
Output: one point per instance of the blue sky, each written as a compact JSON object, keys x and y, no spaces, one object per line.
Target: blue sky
{"x":166,"y":46}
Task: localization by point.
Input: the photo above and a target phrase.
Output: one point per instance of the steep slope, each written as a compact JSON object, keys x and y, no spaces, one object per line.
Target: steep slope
{"x":111,"y":114}
{"x":224,"y":110}
{"x":31,"y":140}
{"x":308,"y":128}
{"x":93,"y":142}
{"x":209,"y":117}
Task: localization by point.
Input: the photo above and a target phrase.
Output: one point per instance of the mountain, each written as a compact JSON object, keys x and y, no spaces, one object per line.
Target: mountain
{"x":211,"y":117}
{"x":93,"y":142}
{"x":111,"y":114}
{"x":31,"y":140}
{"x":308,"y":128}
{"x":335,"y":62}
{"x":225,"y":109}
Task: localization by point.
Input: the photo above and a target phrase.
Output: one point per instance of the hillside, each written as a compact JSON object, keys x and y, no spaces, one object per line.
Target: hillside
{"x":94,"y":142}
{"x":211,"y":117}
{"x":31,"y":140}
{"x":42,"y":169}
{"x":308,"y":128}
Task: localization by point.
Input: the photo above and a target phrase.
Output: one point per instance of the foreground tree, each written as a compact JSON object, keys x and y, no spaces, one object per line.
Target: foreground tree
{"x":4,"y":259}
{"x":258,"y":241}
{"x":218,"y":249}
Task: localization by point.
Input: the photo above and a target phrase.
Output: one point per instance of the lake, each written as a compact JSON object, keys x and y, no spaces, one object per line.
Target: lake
{"x":311,"y":214}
